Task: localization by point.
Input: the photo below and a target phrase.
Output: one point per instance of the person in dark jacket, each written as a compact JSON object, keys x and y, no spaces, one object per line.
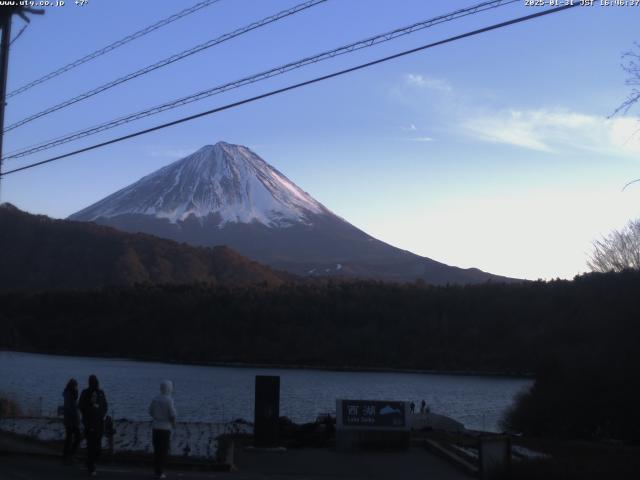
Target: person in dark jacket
{"x":71,"y":421}
{"x":93,"y":406}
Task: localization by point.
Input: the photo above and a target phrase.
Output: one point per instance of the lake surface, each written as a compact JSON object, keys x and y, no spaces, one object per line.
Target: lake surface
{"x":216,"y":394}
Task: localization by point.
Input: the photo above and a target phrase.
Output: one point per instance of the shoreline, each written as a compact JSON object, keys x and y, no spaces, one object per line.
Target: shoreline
{"x":327,"y":368}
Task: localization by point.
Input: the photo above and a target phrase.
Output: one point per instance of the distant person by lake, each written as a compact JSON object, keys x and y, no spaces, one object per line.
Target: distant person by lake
{"x":163,"y":412}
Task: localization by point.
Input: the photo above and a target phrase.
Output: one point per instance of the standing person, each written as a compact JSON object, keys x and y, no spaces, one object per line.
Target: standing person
{"x":71,"y":421}
{"x":423,"y":406}
{"x":93,"y":406}
{"x":412,"y":407}
{"x":163,"y":413}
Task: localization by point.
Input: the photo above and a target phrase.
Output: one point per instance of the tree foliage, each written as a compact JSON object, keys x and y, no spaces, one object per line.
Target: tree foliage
{"x":55,"y":254}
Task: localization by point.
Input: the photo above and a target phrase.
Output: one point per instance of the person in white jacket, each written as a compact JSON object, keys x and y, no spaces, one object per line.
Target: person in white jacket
{"x":163,"y":413}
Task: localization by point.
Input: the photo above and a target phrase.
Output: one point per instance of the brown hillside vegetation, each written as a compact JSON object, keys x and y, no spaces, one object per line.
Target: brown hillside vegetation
{"x":43,"y":253}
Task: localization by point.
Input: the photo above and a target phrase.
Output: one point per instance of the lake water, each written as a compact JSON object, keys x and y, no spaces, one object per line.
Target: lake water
{"x":216,"y":394}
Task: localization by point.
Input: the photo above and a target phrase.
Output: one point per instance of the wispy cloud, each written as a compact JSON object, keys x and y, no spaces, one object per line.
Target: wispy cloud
{"x":425,"y":81}
{"x":554,"y":130}
{"x":413,"y":129}
{"x":557,"y":131}
{"x":421,"y":139}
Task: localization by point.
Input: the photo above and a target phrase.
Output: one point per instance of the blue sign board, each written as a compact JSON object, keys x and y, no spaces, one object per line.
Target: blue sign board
{"x":373,"y":413}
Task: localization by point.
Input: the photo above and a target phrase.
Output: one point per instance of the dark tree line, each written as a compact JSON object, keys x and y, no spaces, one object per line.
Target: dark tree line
{"x":580,"y":336}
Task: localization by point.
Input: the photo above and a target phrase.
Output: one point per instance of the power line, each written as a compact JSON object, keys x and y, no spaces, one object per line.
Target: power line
{"x":24,"y":27}
{"x":366,"y":43}
{"x":112,"y":46}
{"x":295,"y":86}
{"x":168,"y":61}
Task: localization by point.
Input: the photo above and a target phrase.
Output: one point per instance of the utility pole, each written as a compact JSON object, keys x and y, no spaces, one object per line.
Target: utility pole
{"x":4,"y":64}
{"x":6,"y":13}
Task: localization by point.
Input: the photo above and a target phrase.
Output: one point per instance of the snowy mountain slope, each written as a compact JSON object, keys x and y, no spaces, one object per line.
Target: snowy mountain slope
{"x":227,"y":180}
{"x":225,"y":194}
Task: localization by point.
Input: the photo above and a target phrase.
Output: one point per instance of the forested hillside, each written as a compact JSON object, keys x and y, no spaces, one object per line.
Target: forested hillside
{"x":43,"y":253}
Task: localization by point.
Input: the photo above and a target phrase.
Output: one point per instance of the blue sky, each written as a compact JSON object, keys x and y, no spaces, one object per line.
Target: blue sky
{"x":494,"y":151}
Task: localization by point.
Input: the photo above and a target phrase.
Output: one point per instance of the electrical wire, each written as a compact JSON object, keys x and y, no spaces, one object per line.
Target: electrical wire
{"x":294,"y":86}
{"x":366,"y":43}
{"x":24,"y":27}
{"x":112,"y":46}
{"x":168,"y":61}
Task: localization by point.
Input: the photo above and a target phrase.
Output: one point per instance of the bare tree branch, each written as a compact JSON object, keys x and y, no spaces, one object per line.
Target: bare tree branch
{"x":629,"y":183}
{"x":618,"y":251}
{"x":630,"y":65}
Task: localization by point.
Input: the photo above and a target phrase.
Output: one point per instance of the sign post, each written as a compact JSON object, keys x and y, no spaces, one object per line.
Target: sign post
{"x":267,"y":410}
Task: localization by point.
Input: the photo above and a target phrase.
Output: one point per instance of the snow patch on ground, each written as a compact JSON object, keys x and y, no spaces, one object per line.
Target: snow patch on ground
{"x":469,"y":451}
{"x":517,"y":452}
{"x":528,"y":453}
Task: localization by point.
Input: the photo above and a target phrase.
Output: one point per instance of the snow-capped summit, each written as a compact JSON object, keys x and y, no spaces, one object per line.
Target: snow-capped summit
{"x":223,"y":180}
{"x":225,"y":194}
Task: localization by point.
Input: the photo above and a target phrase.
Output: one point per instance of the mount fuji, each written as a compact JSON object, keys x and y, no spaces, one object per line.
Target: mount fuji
{"x":225,"y":194}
